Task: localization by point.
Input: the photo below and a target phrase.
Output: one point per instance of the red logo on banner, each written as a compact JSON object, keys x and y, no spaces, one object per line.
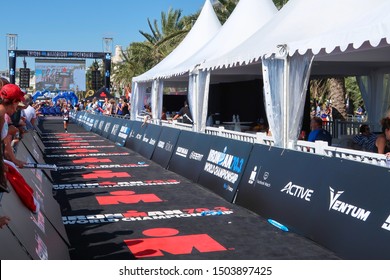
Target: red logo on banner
{"x":68,"y":139}
{"x":75,"y":144}
{"x":134,"y":213}
{"x":105,"y":174}
{"x":127,"y":197}
{"x":167,"y":240}
{"x":89,"y":160}
{"x":76,"y":151}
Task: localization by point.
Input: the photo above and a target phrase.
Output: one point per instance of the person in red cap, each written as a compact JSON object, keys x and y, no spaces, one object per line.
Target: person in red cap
{"x":11,"y":95}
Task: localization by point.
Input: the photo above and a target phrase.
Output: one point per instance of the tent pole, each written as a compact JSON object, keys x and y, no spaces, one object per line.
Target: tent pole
{"x":286,"y":100}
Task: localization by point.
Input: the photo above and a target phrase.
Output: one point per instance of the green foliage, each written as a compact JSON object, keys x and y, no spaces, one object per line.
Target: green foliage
{"x":353,"y":91}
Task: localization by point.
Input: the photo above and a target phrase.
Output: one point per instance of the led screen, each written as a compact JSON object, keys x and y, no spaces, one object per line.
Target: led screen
{"x":60,"y":74}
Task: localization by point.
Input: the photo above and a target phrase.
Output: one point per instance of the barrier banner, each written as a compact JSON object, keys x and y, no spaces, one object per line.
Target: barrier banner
{"x":100,"y":126}
{"x":328,"y":200}
{"x":123,"y":133}
{"x":134,"y":141}
{"x":165,"y":146}
{"x":37,"y":139}
{"x":107,"y":126}
{"x":149,"y":140}
{"x":225,"y":162}
{"x":115,"y":128}
{"x":34,"y":150}
{"x":190,"y":153}
{"x":77,"y":116}
{"x":81,"y":118}
{"x":10,"y":246}
{"x":43,"y":192}
{"x":34,"y":231}
{"x":96,"y":122}
{"x":89,"y":122}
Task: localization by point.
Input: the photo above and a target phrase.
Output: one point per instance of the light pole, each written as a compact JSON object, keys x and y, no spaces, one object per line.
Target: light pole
{"x":107,"y":44}
{"x":107,"y":48}
{"x":12,"y":45}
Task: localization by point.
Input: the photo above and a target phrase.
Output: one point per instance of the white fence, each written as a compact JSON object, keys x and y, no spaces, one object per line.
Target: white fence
{"x":338,"y":128}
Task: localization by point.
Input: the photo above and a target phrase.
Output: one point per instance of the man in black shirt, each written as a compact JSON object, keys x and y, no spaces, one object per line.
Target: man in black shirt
{"x":185,"y":113}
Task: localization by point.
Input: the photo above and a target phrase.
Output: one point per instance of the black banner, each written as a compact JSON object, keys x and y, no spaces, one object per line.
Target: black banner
{"x":59,"y":54}
{"x":10,"y":246}
{"x":37,"y":139}
{"x":134,"y":141}
{"x":124,"y":133}
{"x":34,"y":231}
{"x":149,"y":140}
{"x":224,"y":166}
{"x":115,"y":128}
{"x":189,"y":156}
{"x":43,"y":192}
{"x":34,"y":149}
{"x":107,"y":126}
{"x":330,"y":200}
{"x":89,"y":121}
{"x":165,"y":146}
{"x":100,"y":126}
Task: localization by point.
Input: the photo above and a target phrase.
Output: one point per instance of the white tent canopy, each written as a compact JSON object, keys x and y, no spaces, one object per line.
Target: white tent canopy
{"x":300,"y":21}
{"x":307,"y":27}
{"x":247,"y":17}
{"x":293,"y":42}
{"x":205,"y":28}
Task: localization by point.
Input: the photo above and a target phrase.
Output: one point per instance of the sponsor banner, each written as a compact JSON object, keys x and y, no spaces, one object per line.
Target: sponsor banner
{"x":165,"y":146}
{"x":329,"y":200}
{"x":102,"y":166}
{"x":34,"y":231}
{"x":134,"y":141}
{"x":68,"y":136}
{"x":73,"y":140}
{"x":43,"y":192}
{"x":190,"y":154}
{"x":160,"y":242}
{"x":224,"y":165}
{"x":267,"y":181}
{"x":109,"y":122}
{"x":78,"y":146}
{"x":99,"y":124}
{"x":120,"y":184}
{"x":115,"y":128}
{"x":149,"y":140}
{"x":88,"y":121}
{"x":123,"y":133}
{"x":140,"y":216}
{"x":89,"y":155}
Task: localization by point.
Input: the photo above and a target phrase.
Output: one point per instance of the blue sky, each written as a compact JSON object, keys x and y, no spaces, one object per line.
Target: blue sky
{"x":80,"y":25}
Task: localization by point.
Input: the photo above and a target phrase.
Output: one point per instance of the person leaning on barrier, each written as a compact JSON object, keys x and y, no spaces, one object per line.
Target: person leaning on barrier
{"x":4,"y":221}
{"x":125,"y":108}
{"x":3,"y":181}
{"x":365,"y":139}
{"x":185,"y":113}
{"x":382,"y":143}
{"x":11,"y":97}
{"x":318,"y":133}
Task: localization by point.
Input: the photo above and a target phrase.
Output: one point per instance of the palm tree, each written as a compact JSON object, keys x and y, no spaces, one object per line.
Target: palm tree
{"x":224,"y":8}
{"x":161,"y":42}
{"x":337,"y":96}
